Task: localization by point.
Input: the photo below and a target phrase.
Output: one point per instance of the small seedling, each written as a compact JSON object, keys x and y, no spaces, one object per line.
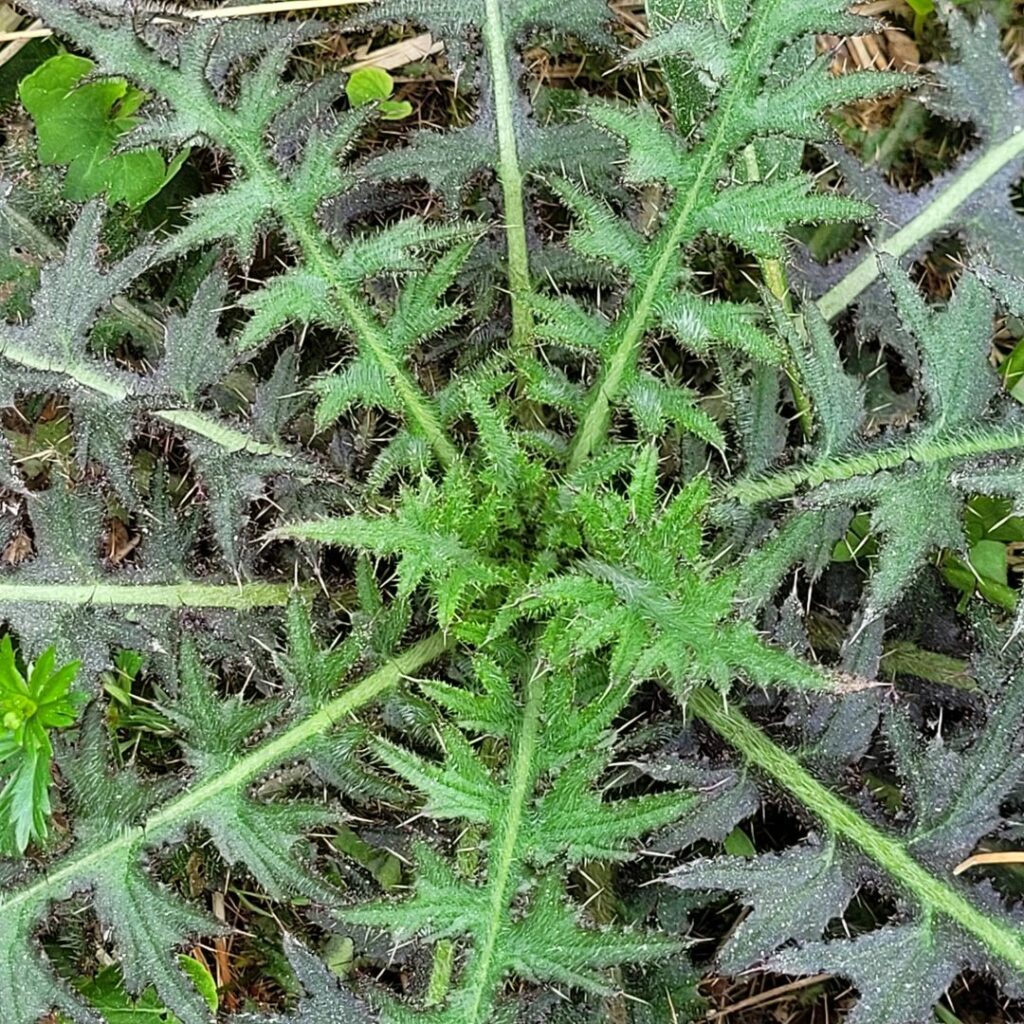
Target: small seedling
{"x":375,"y":85}
{"x":29,"y":708}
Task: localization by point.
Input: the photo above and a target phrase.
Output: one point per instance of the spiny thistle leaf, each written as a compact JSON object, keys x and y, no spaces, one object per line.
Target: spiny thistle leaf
{"x":793,"y":896}
{"x":556,"y":734}
{"x":899,"y":972}
{"x":643,"y":591}
{"x":66,"y":588}
{"x":747,"y":106}
{"x":754,"y":216}
{"x":28,"y":985}
{"x":214,"y":730}
{"x":917,"y":507}
{"x":325,"y":1000}
{"x":973,"y":199}
{"x":439,"y":534}
{"x":261,"y":836}
{"x":725,"y":797}
{"x":420,"y":313}
{"x":118,"y":819}
{"x":948,"y":927}
{"x":449,"y":161}
{"x":147,"y":922}
{"x":51,"y":352}
{"x":505,"y":136}
{"x":71,"y":292}
{"x":265,"y":192}
{"x":958,"y":784}
{"x":586,"y":19}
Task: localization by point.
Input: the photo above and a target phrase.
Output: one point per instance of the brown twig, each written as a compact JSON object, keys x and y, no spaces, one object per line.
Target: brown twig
{"x":771,"y":996}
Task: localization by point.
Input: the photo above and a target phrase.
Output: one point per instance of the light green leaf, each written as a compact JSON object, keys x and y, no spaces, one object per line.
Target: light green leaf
{"x":375,"y":85}
{"x":29,"y":708}
{"x":202,"y":979}
{"x":79,"y":125}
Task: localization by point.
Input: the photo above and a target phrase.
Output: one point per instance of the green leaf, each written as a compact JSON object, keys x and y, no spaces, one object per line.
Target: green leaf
{"x":837,"y":397}
{"x":29,"y":708}
{"x":106,"y":992}
{"x":900,"y":972}
{"x":698,"y":324}
{"x":1012,"y":371}
{"x":738,"y":844}
{"x":439,"y":534}
{"x":202,"y":979}
{"x":375,"y":85}
{"x":793,"y":896}
{"x":755,"y":216}
{"x":368,"y":85}
{"x":705,"y":45}
{"x":79,"y":126}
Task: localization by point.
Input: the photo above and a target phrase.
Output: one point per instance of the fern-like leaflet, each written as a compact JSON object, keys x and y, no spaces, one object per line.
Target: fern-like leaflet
{"x":748,"y":104}
{"x":120,"y":817}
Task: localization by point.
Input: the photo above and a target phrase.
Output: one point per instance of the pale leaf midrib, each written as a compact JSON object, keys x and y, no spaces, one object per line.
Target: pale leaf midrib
{"x":501,"y":878}
{"x":933,"y":893}
{"x":169,"y":595}
{"x":75,"y":870}
{"x":510,"y":175}
{"x":926,"y":223}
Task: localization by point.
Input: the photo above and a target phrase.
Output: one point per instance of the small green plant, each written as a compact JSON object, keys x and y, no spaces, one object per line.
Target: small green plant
{"x":375,"y":85}
{"x":105,"y":992}
{"x":31,"y":706}
{"x":80,"y":124}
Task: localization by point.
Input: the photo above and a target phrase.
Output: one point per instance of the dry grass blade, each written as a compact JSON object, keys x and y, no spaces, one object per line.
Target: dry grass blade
{"x":771,"y":996}
{"x":979,"y":859}
{"x":15,"y":46}
{"x":397,"y":55}
{"x":209,"y":14}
